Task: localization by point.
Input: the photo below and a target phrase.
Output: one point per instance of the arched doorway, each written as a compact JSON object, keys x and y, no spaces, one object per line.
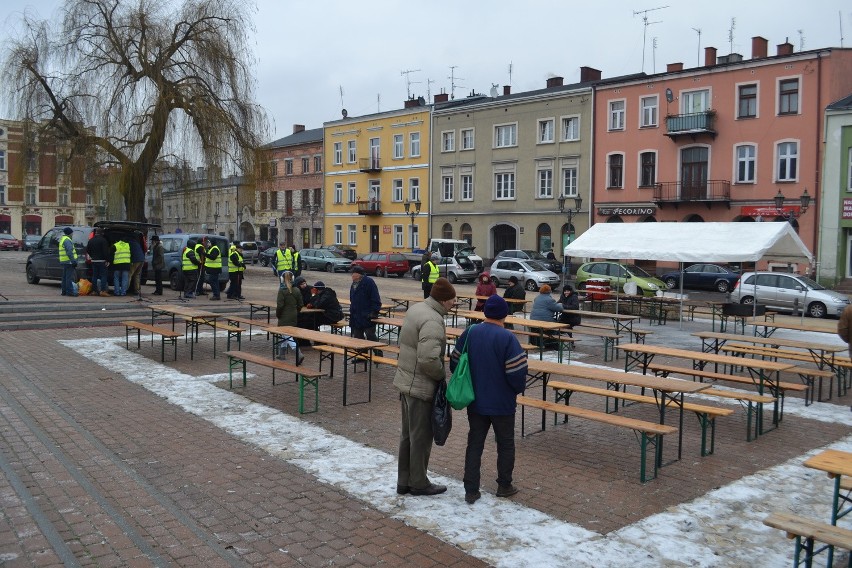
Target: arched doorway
{"x":446,"y":231}
{"x":649,"y":219}
{"x":247,"y":231}
{"x":694,"y":219}
{"x":543,"y":238}
{"x":504,"y":237}
{"x":466,"y":233}
{"x":615,"y":219}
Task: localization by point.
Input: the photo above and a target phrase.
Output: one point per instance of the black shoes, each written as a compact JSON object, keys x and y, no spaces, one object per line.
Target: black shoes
{"x":506,"y":490}
{"x":299,"y":356}
{"x":403,"y":489}
{"x":471,"y":498}
{"x":215,"y":298}
{"x":431,"y":489}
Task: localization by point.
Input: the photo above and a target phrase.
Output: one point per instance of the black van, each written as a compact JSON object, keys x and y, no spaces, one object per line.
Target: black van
{"x":174,"y":243}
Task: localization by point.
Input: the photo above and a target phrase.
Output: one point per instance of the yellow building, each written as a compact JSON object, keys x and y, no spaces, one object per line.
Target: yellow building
{"x":377,"y":179}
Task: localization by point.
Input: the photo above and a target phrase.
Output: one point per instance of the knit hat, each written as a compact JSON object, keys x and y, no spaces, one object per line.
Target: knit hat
{"x":495,"y":308}
{"x":358,"y":268}
{"x":67,"y":230}
{"x":319,"y":285}
{"x":299,"y":281}
{"x":442,"y":290}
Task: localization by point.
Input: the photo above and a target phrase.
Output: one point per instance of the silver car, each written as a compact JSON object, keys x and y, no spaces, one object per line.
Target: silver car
{"x":531,"y":274}
{"x":788,"y":292}
{"x":455,"y":269}
{"x":323,"y":259}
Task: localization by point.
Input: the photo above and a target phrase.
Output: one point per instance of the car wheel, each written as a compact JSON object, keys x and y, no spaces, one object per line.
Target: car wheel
{"x":495,"y":281}
{"x":671,"y":282}
{"x":531,"y":286}
{"x":817,"y":310}
{"x":379,"y":273}
{"x":415,"y":274}
{"x":723,"y":286}
{"x":747,"y":300}
{"x":31,"y":275}
{"x":305,"y":265}
{"x":175,"y":280}
{"x":264,"y":262}
{"x":452,"y":278}
{"x":329,"y":267}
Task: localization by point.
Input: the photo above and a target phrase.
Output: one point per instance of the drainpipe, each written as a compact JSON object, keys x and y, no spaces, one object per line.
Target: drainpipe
{"x":820,"y":138}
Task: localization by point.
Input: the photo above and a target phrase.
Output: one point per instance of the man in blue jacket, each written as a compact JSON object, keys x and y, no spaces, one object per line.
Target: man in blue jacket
{"x":364,"y":305}
{"x":498,"y":367}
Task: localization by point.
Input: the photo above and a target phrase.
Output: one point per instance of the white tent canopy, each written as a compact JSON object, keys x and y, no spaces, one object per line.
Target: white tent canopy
{"x":692,"y":242}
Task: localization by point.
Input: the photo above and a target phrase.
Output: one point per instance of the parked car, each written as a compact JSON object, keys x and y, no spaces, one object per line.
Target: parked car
{"x":455,"y":269}
{"x":173,"y":244}
{"x":267,"y":256}
{"x":43,"y":260}
{"x":552,"y":265}
{"x":250,"y":252}
{"x":788,"y":292}
{"x":323,"y":259}
{"x":31,"y":241}
{"x":703,"y":277}
{"x":618,"y":275}
{"x":383,"y":263}
{"x":263,"y":245}
{"x":9,"y":242}
{"x":531,"y":274}
{"x":345,"y":250}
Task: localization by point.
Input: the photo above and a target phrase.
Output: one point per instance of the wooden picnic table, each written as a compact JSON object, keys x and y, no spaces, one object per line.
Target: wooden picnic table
{"x":352,"y":348}
{"x":469,"y":299}
{"x":665,"y":389}
{"x":620,"y":322}
{"x":262,"y":306}
{"x":533,"y":325}
{"x":770,"y":327}
{"x":194,"y":317}
{"x":656,"y":313}
{"x":715,"y":311}
{"x":822,"y":354}
{"x":836,"y":464}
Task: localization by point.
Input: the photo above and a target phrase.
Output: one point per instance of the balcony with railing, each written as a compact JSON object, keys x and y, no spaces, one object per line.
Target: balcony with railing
{"x":371,"y":207}
{"x":693,"y":124}
{"x":370,"y":165}
{"x":676,"y":192}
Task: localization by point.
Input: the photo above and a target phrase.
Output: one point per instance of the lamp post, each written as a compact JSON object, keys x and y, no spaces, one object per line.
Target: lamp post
{"x":578,"y":203}
{"x":790,"y":216}
{"x":412,"y":209}
{"x":311,"y":209}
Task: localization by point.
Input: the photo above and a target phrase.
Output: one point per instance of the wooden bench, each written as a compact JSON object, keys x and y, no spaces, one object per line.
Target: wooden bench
{"x":706,"y":414}
{"x":562,"y":340}
{"x":237,"y":320}
{"x":610,"y":339}
{"x":338,"y":327}
{"x":649,"y":432}
{"x":166,"y":336}
{"x":746,"y":399}
{"x":304,"y":375}
{"x":327,"y":352}
{"x":810,"y":530}
{"x":639,"y":335}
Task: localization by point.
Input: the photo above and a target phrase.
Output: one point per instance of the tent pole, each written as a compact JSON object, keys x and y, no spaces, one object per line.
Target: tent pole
{"x":681,"y":297}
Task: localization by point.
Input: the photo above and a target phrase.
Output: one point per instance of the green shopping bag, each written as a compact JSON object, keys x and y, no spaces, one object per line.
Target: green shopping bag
{"x":460,"y":389}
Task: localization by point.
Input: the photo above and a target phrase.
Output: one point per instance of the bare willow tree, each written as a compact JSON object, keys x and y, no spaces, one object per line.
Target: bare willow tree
{"x":136,"y":81}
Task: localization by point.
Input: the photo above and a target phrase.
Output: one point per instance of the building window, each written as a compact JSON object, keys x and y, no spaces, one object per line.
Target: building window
{"x":414,"y":144}
{"x":615,"y":170}
{"x":338,"y":234}
{"x":788,"y":158}
{"x":415,"y":237}
{"x":317,"y":163}
{"x":448,"y":141}
{"x":352,"y":195}
{"x":273,"y":200}
{"x":545,"y":184}
{"x":648,"y":174}
{"x":747,"y":101}
{"x":694,"y":165}
{"x":505,"y":135}
{"x":351,"y":154}
{"x":788,"y":96}
{"x":353,"y":234}
{"x":2,"y":160}
{"x":2,"y":195}
{"x":397,"y":147}
{"x":446,"y":231}
{"x":317,"y":196}
{"x":616,"y":115}
{"x":63,"y":195}
{"x":414,"y":189}
{"x":545,"y":131}
{"x":570,"y":128}
{"x":31,"y":195}
{"x":695,"y":101}
{"x":447,"y":193}
{"x":504,"y":186}
{"x":849,"y":172}
{"x":338,"y":153}
{"x":288,"y":167}
{"x":338,"y":193}
{"x":467,"y":139}
{"x":306,"y":165}
{"x":398,"y":236}
{"x":61,"y":165}
{"x":466,"y":188}
{"x":31,"y":161}
{"x":649,"y":111}
{"x":569,"y":182}
{"x":397,"y":191}
{"x":746,"y":161}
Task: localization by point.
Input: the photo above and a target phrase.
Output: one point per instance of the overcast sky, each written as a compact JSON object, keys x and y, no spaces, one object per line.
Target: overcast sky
{"x":308,"y":50}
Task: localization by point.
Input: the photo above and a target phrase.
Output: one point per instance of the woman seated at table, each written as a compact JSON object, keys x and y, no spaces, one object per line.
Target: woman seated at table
{"x":484,"y":287}
{"x":322,"y":298}
{"x":569,"y":301}
{"x":544,"y":307}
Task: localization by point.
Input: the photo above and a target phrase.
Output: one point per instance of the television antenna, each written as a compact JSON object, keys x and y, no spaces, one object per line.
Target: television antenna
{"x":340,"y":88}
{"x":408,"y":82}
{"x":731,"y":34}
{"x":654,"y":54}
{"x":801,"y":39}
{"x":645,"y":30}
{"x":510,"y":67}
{"x":453,"y":80}
{"x":698,"y":57}
{"x":429,"y":88}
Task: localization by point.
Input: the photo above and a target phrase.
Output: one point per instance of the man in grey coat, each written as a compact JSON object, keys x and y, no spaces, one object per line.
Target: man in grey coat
{"x":420,"y":367}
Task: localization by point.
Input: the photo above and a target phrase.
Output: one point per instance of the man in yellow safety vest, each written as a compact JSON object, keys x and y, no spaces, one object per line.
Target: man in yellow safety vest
{"x":68,"y":260}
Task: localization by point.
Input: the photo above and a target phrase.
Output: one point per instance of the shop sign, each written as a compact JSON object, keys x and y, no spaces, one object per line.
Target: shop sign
{"x":627,"y":211}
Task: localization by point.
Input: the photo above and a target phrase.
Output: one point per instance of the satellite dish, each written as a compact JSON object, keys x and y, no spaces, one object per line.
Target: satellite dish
{"x":669,"y":95}
{"x":344,"y":113}
{"x":493,"y":91}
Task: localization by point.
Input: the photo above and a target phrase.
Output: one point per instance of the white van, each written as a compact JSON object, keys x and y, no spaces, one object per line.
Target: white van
{"x":458,"y":246}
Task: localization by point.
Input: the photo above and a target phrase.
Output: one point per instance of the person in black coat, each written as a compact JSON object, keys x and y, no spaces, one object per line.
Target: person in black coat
{"x":514,"y":291}
{"x":325,"y":298}
{"x":569,"y":301}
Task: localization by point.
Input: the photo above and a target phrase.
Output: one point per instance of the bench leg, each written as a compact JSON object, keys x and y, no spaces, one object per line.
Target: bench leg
{"x":704,"y":420}
{"x":647,"y":440}
{"x":314,"y":382}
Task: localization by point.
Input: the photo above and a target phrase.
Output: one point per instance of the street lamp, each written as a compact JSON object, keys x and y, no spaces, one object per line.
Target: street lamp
{"x":578,"y":203}
{"x":311,"y":209}
{"x":412,"y":209}
{"x":790,"y":216}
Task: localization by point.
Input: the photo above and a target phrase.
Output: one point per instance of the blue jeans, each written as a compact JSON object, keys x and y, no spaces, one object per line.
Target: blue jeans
{"x":68,"y":274}
{"x":99,"y":277}
{"x":119,"y":282}
{"x":214,"y":283}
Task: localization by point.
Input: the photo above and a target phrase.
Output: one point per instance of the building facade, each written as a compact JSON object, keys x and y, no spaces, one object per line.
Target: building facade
{"x":205,"y":202}
{"x":835,"y":239}
{"x":377,"y":179}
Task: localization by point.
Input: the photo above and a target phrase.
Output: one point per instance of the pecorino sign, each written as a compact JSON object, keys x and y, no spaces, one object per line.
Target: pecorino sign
{"x":627,"y":211}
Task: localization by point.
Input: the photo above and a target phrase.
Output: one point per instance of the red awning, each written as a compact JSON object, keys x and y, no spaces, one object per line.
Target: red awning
{"x":5,"y":218}
{"x":32,"y":218}
{"x":63,"y":220}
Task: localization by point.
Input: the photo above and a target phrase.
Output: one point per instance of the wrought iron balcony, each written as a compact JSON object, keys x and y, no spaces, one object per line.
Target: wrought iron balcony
{"x":686,"y":192}
{"x":369,"y":207}
{"x":691,"y":124}
{"x":370,"y":165}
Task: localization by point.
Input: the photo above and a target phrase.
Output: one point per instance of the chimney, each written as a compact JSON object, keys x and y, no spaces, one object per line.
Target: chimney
{"x":589,"y":74}
{"x":442,"y":97}
{"x":411,"y":103}
{"x":554,"y":82}
{"x":709,"y":56}
{"x":785,"y":48}
{"x":507,"y":90}
{"x":671,"y":67}
{"x":759,"y":47}
{"x":298,"y":128}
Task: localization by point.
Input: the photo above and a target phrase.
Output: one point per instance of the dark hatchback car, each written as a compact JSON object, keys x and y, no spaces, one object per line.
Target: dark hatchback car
{"x":43,"y":261}
{"x":345,"y":250}
{"x":703,"y":277}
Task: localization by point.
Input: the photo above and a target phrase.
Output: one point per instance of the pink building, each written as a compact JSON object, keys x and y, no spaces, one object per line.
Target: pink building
{"x":718,"y":142}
